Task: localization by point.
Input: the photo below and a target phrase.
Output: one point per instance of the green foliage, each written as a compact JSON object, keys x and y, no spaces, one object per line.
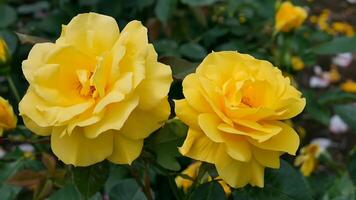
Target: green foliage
{"x":209,"y":191}
{"x":337,"y":45}
{"x":90,"y":180}
{"x":347,"y":113}
{"x":165,"y":144}
{"x":183,"y":32}
{"x":126,"y":189}
{"x":283,"y":184}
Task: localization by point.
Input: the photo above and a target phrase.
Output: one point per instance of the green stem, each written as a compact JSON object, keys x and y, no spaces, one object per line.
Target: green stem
{"x":13,"y":88}
{"x":172,"y":184}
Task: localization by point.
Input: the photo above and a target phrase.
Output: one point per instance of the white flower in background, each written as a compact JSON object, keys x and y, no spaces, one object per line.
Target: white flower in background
{"x":317,"y":70}
{"x":2,"y":152}
{"x":337,"y":125}
{"x":318,"y":82}
{"x":342,"y":59}
{"x":351,"y":1}
{"x":323,"y":144}
{"x":26,"y":148}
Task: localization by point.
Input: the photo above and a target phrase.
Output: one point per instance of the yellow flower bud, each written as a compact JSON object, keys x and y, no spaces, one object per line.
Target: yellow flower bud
{"x":297,"y":63}
{"x":349,"y":86}
{"x":8,"y":118}
{"x":289,"y":17}
{"x":4,"y":53}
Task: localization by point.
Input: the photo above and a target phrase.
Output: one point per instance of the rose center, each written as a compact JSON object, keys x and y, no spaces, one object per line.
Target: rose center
{"x":86,"y":87}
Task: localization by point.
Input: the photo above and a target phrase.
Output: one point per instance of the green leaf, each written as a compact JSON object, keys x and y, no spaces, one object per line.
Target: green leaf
{"x":117,"y":173}
{"x":11,"y":40}
{"x":198,"y":2}
{"x":342,"y":189}
{"x":180,"y":67}
{"x":68,"y":192}
{"x":127,"y":189}
{"x":347,"y":113}
{"x":9,"y":192}
{"x":337,"y":45}
{"x":90,"y":180}
{"x":166,"y":47}
{"x":208,"y":191}
{"x":283,"y":184}
{"x":320,"y":182}
{"x":8,"y":16}
{"x":315,"y":110}
{"x":166,"y":141}
{"x":193,"y":51}
{"x":164,"y":9}
{"x":336,"y":96}
{"x":352,"y":165}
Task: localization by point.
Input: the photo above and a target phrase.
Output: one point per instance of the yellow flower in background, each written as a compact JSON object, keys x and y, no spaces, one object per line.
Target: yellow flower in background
{"x":4,"y":54}
{"x":289,"y":17}
{"x":8,"y":118}
{"x":343,"y":28}
{"x":349,"y":86}
{"x":308,"y":158}
{"x":233,"y":106}
{"x":96,"y":91}
{"x":333,"y":75}
{"x":192,"y":171}
{"x":297,"y":63}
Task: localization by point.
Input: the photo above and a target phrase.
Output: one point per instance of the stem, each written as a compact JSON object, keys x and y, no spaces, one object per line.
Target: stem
{"x":143,"y":186}
{"x":13,"y":88}
{"x":172,"y":184}
{"x":147,"y":186}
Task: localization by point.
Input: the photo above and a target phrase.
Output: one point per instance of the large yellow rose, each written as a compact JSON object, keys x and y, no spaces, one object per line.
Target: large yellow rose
{"x":8,"y":118}
{"x":289,"y":17}
{"x":97,"y":92}
{"x":233,"y":106}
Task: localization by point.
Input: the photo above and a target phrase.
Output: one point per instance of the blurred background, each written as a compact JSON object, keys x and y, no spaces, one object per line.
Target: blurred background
{"x":318,"y":56}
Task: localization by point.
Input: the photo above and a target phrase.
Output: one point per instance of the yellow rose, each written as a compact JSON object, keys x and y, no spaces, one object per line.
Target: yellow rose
{"x":289,"y":17}
{"x":97,"y":92}
{"x":233,"y":106}
{"x":8,"y":118}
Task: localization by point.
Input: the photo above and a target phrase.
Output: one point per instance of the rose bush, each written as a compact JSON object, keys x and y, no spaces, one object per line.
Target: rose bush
{"x":92,"y":91}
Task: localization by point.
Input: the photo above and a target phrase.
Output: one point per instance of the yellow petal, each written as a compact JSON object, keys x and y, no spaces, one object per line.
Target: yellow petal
{"x":114,"y":117}
{"x":199,"y":147}
{"x":159,"y":77}
{"x":267,"y":158}
{"x":235,"y":173}
{"x":237,"y":147}
{"x":117,"y":93}
{"x":147,"y":120}
{"x":125,"y":150}
{"x":79,"y":150}
{"x":240,"y":130}
{"x":285,"y":141}
{"x":186,"y":113}
{"x":43,"y":131}
{"x":91,"y":32}
{"x":209,"y":125}
{"x":36,"y":58}
{"x":192,"y":93}
{"x":134,"y":38}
